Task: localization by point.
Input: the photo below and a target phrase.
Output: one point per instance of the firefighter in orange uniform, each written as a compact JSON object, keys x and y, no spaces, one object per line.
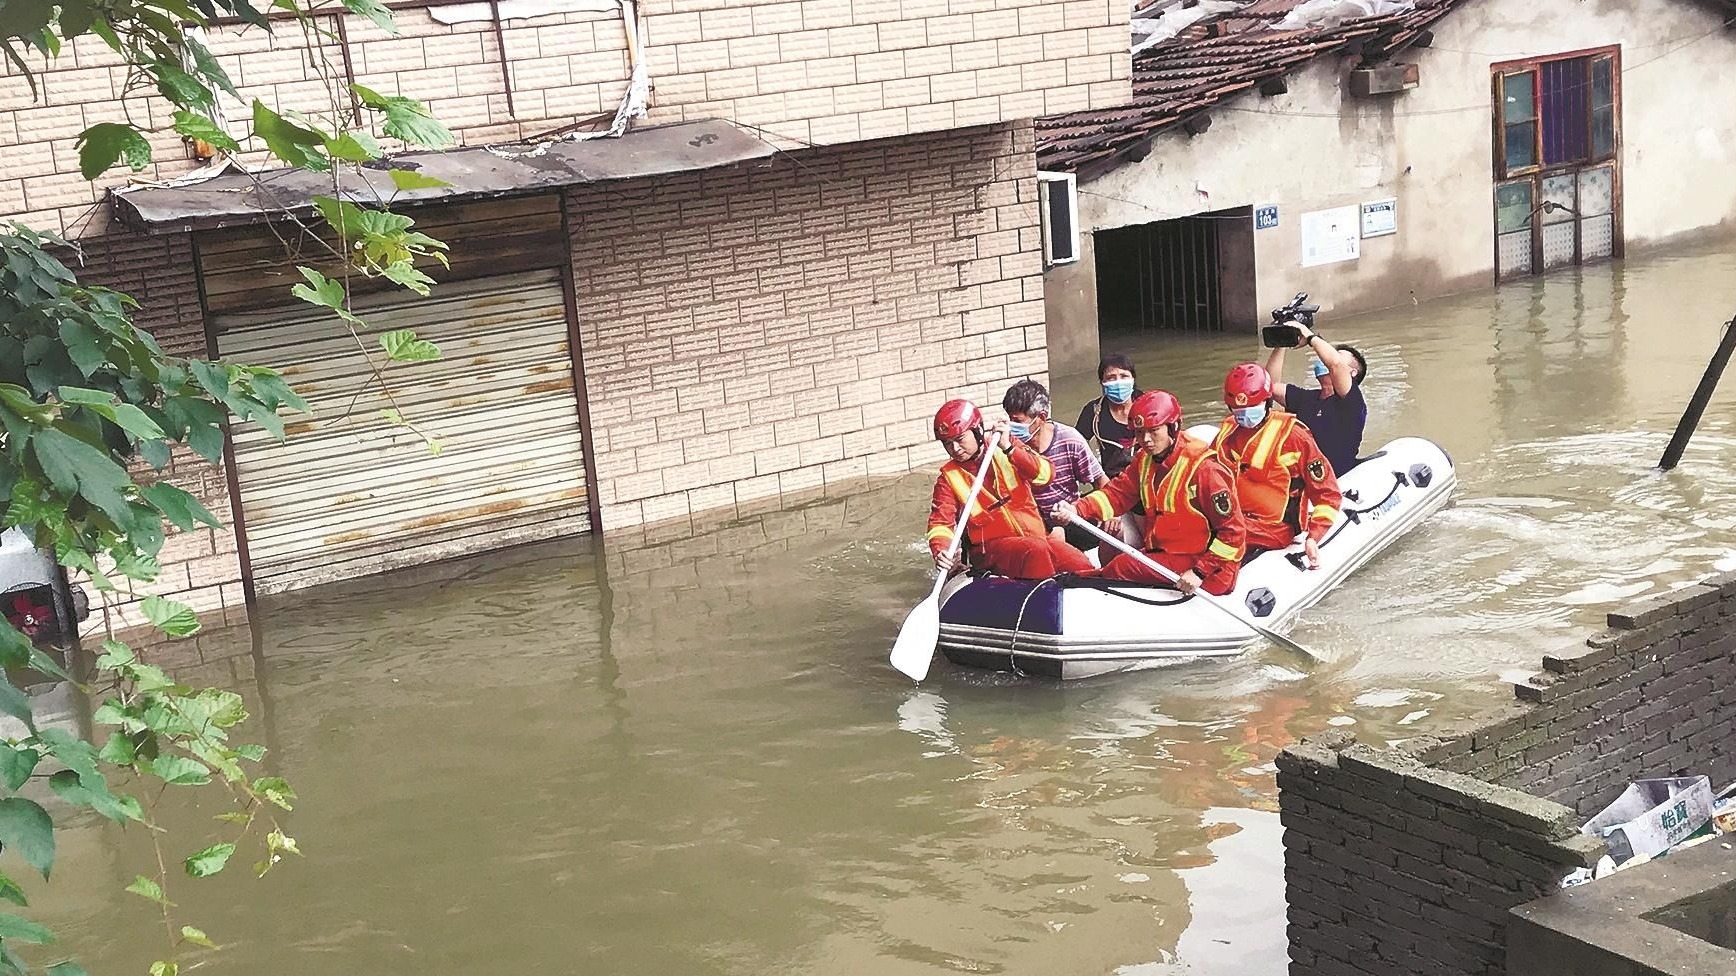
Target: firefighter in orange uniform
{"x":1280,"y":471}
{"x":1195,"y":526}
{"x":1005,"y":533}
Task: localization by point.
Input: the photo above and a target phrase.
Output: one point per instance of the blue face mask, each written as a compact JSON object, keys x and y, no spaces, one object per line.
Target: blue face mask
{"x":1118,"y":391}
{"x":1249,"y":416}
{"x":1018,"y":430}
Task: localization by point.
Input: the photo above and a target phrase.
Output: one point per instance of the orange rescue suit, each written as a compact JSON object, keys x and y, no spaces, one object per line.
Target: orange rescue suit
{"x":1005,"y":531}
{"x":1280,"y":472}
{"x":1195,"y":522}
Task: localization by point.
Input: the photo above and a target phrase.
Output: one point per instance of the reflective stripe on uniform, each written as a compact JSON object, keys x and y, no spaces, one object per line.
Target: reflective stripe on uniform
{"x":940,"y":532}
{"x":1223,"y":550}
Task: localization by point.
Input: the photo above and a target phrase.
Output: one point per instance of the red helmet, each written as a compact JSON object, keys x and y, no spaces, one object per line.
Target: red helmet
{"x":954,"y":418}
{"x":1247,"y":385}
{"x":1154,"y":409}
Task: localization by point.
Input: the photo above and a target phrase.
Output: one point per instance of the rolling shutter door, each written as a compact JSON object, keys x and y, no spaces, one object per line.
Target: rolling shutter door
{"x":349,"y":493}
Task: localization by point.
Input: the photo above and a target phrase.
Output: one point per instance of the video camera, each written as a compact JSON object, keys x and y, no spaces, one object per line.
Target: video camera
{"x":1281,"y":334}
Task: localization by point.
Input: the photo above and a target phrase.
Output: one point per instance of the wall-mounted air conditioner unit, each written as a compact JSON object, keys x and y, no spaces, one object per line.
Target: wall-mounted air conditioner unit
{"x":1058,"y":199}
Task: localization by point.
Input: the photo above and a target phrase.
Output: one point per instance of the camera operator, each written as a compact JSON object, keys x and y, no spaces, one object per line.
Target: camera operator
{"x":1334,"y":411}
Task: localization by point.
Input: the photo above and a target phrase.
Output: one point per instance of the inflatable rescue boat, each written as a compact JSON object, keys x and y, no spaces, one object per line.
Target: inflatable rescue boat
{"x":1076,"y":627}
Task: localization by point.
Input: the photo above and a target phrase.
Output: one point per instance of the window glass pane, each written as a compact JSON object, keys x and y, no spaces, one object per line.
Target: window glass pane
{"x":1512,"y":206}
{"x":1518,"y":98}
{"x":1565,"y":103}
{"x":1603,"y":130}
{"x":1602,"y":92}
{"x":1521,"y":145}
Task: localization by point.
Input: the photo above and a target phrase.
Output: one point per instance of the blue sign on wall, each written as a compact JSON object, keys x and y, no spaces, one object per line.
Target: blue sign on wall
{"x":1265,"y":218}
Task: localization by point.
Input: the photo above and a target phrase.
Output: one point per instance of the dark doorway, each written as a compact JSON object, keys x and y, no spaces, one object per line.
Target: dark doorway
{"x":1187,"y":274}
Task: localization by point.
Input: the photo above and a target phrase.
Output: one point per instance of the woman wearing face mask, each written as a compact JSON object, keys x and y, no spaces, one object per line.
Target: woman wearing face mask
{"x":1104,"y":421}
{"x":1283,"y":481}
{"x":1027,"y":405}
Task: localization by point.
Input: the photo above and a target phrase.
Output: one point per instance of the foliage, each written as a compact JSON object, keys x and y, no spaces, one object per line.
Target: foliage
{"x":92,"y":409}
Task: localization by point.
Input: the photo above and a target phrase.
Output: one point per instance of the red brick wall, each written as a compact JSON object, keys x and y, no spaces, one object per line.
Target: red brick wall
{"x":780,"y":328}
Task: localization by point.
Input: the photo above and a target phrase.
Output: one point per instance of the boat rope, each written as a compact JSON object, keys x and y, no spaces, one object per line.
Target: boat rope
{"x":1013,"y":645}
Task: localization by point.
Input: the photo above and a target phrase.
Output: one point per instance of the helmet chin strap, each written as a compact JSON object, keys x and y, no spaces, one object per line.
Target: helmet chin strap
{"x":1174,"y":439}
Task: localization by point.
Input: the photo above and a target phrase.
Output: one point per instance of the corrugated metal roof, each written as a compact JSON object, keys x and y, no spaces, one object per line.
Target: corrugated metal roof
{"x":1208,"y":62}
{"x":474,"y":172}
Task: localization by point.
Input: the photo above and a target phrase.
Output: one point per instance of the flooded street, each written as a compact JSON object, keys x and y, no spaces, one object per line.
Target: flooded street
{"x":687,"y":753}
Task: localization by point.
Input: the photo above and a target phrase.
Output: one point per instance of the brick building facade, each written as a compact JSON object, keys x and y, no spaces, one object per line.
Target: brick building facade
{"x":736,"y":331}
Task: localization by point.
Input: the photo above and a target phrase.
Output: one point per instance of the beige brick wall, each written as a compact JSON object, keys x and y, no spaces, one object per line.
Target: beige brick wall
{"x":200,"y":567}
{"x":784,"y":328}
{"x":813,"y":71}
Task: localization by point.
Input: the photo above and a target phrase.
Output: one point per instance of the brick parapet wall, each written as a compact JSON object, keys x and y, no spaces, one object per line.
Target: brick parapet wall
{"x":781,"y":328}
{"x":824,"y":72}
{"x":1410,"y":859}
{"x":200,"y":567}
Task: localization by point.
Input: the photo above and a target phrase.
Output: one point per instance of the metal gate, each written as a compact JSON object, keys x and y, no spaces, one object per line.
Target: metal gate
{"x":1162,"y":275}
{"x":351,"y":491}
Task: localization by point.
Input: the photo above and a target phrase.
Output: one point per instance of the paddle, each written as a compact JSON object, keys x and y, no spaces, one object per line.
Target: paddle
{"x":1210,"y":600}
{"x":914,"y":650}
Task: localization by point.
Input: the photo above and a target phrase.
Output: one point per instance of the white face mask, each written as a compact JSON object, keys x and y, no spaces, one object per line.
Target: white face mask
{"x":1249,"y":416}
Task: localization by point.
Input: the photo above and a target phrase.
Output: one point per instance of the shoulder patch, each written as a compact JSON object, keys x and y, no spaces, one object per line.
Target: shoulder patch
{"x":1317,"y":469}
{"x":1221,"y":503}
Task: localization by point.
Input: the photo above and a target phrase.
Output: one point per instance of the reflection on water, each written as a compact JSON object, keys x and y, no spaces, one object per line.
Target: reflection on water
{"x":684,"y":752}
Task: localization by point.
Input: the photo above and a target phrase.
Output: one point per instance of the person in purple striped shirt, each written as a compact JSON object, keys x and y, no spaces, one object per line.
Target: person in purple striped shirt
{"x":1027,"y":405}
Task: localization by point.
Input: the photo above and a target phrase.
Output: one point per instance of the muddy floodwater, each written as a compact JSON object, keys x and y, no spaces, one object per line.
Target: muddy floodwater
{"x":687,"y":754}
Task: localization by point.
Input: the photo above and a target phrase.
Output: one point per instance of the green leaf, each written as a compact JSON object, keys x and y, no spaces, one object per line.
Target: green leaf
{"x":165,"y":969}
{"x":170,"y":616}
{"x":15,"y":648}
{"x":66,"y":969}
{"x":26,"y":830}
{"x":250,"y":752}
{"x":81,"y":339}
{"x":16,"y":929}
{"x":101,"y":145}
{"x":198,"y":938}
{"x":116,"y":806}
{"x":196,"y":126}
{"x":319,"y":290}
{"x":180,"y":771}
{"x":374,"y":11}
{"x":15,"y":702}
{"x":10,"y":891}
{"x":207,"y":67}
{"x":147,"y":889}
{"x":75,"y":467}
{"x":181,"y":88}
{"x":408,"y":179}
{"x":406,"y":273}
{"x":16,"y":765}
{"x":287,"y":141}
{"x":155,"y":453}
{"x":406,"y":119}
{"x":178,"y":506}
{"x":353,"y":147}
{"x":214,"y":707}
{"x":402,"y":346}
{"x":209,"y":861}
{"x":115,"y":654}
{"x":47,"y":665}
{"x":118,"y":750}
{"x":276,"y":791}
{"x":233,"y":816}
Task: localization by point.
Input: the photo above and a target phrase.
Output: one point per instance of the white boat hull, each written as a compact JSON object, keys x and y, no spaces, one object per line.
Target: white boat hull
{"x":1073,"y":627}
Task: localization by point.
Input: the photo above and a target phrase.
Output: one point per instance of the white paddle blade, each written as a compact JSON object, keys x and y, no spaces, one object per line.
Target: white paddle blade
{"x":914,"y":650}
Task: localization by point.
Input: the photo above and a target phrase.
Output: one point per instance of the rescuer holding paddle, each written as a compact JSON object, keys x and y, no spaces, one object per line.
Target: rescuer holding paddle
{"x":1195,"y":526}
{"x":1005,"y":531}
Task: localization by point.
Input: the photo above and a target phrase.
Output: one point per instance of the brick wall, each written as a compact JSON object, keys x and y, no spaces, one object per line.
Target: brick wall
{"x":1410,"y":860}
{"x":781,"y":328}
{"x":199,"y":567}
{"x":822,"y":71}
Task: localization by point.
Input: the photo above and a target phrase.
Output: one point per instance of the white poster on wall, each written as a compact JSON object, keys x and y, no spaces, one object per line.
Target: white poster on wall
{"x":1332,"y":235}
{"x":1380,"y":217}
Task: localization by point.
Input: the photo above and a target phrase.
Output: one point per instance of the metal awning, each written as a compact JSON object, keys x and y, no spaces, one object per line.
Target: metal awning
{"x":474,"y":173}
